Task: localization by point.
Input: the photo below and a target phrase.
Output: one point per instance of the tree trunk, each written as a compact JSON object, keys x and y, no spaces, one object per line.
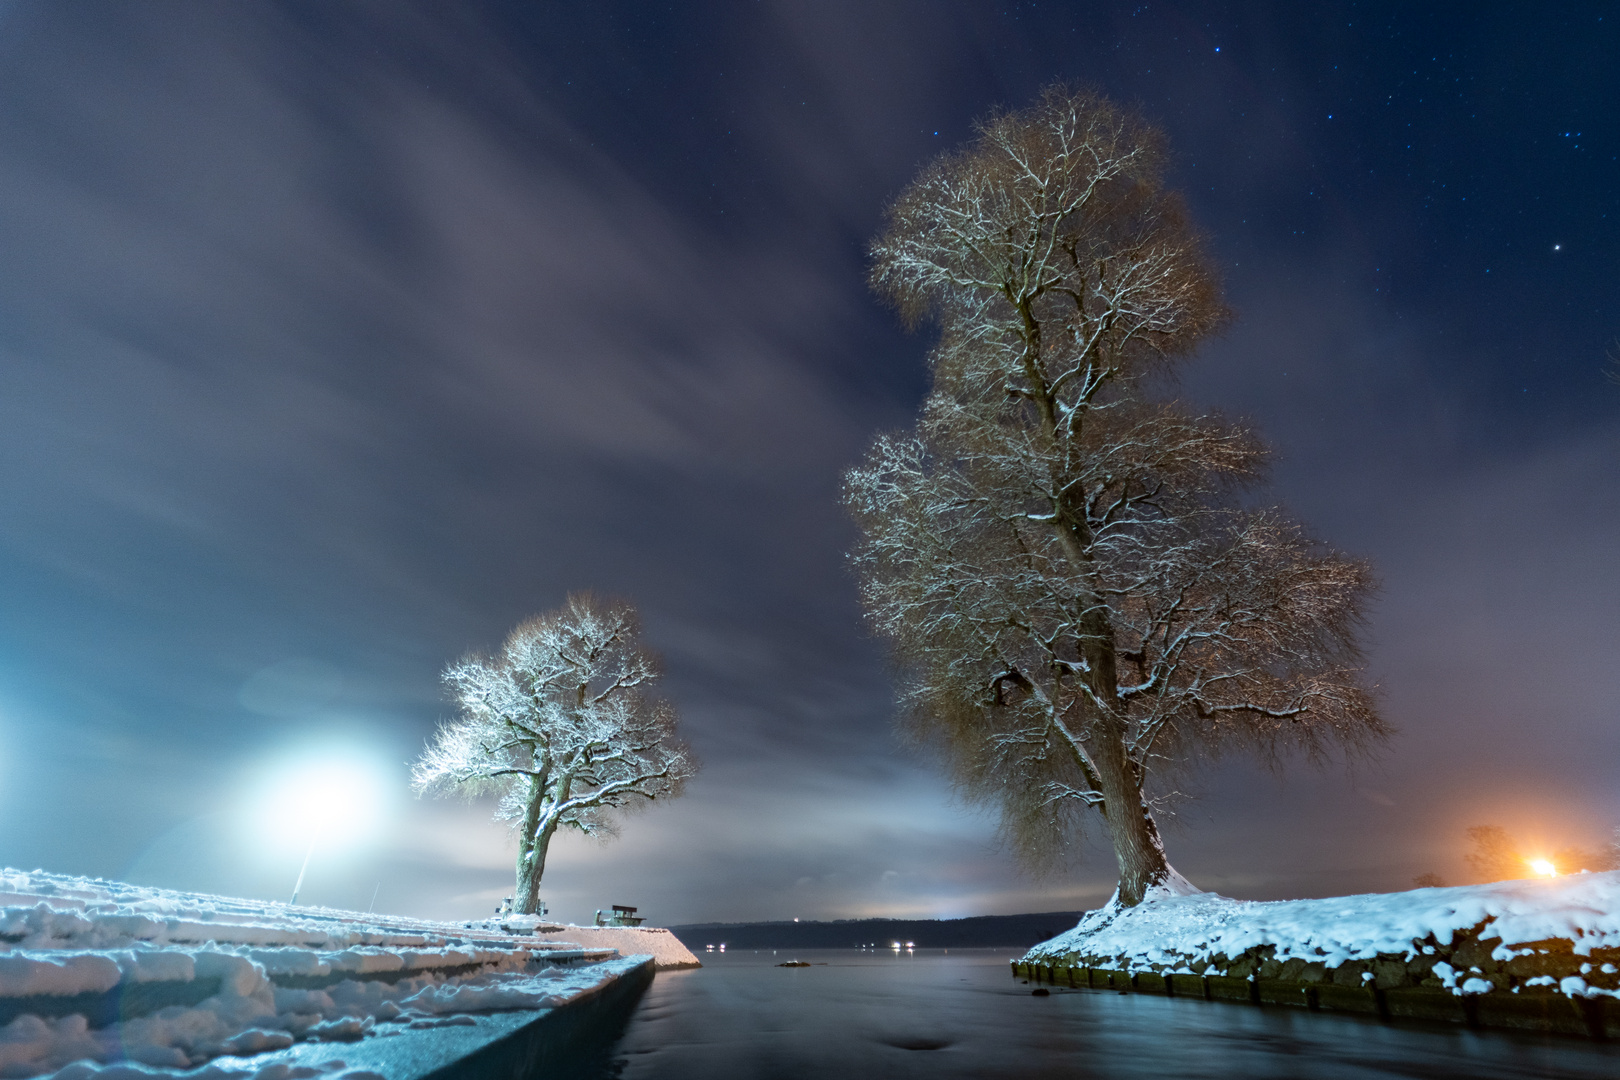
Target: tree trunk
{"x":531,"y":860}
{"x":1130,"y":823}
{"x":531,"y":869}
{"x":1137,"y":847}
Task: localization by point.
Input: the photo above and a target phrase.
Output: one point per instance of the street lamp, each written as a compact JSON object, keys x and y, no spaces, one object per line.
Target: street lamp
{"x":325,"y":800}
{"x":299,"y":884}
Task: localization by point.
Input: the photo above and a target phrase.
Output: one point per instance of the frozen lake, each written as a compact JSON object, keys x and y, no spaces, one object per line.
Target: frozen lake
{"x":961,"y":1014}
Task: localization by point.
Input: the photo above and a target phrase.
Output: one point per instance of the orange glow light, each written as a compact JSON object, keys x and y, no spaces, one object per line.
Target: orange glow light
{"x":1544,"y":867}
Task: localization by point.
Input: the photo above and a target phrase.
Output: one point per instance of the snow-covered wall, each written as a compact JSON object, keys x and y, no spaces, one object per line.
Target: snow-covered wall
{"x":95,"y":972}
{"x":1484,"y":951}
{"x":664,"y":947}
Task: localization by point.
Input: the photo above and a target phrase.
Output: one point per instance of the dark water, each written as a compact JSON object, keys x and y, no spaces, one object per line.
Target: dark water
{"x":961,"y":1014}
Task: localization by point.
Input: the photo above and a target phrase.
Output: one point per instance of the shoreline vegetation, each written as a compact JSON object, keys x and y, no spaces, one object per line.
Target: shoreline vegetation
{"x":982,"y":931}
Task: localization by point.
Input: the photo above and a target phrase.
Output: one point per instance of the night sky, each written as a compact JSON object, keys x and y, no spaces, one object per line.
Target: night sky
{"x":335,"y":339}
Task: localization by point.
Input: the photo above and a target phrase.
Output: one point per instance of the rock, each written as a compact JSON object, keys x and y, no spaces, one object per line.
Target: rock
{"x":1604,"y":980}
{"x":1473,"y":953}
{"x":1242,"y":968}
{"x":1421,"y":966}
{"x":1349,"y":973}
{"x":1537,"y":964}
{"x":1599,"y":957}
{"x":1388,"y":974}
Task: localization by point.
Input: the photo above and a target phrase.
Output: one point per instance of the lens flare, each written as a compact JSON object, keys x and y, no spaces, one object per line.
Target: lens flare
{"x":337,"y":798}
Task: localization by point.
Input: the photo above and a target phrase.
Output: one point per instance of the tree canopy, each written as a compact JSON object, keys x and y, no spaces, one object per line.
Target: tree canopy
{"x":1077,"y":594}
{"x":561,"y":725}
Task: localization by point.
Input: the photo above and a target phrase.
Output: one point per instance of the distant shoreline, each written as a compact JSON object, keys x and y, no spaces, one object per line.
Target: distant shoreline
{"x":981,"y":931}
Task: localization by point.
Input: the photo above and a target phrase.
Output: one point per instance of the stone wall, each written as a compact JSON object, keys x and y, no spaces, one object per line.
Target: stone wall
{"x":1536,"y":986}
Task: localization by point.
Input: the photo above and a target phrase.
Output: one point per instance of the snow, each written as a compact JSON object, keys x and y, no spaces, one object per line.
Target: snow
{"x":72,"y":973}
{"x":373,"y":974}
{"x":1174,"y":928}
{"x":1173,"y":885}
{"x":667,"y":950}
{"x":331,"y":1070}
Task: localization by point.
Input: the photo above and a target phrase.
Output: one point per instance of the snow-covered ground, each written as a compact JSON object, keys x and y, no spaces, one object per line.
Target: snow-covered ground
{"x":1558,"y":934}
{"x":664,"y":947}
{"x":667,"y":950}
{"x":95,"y":972}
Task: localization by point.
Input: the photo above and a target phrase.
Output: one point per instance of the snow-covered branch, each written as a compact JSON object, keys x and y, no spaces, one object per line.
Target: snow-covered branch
{"x":558,"y":725}
{"x":1075,"y":597}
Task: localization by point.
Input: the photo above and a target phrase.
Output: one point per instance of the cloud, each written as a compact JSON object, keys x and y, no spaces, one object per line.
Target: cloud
{"x":309,"y":413}
{"x":335,"y":341}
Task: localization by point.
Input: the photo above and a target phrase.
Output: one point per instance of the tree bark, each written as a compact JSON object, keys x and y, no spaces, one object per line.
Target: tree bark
{"x":531,"y":860}
{"x":1137,"y":846}
{"x":531,"y":869}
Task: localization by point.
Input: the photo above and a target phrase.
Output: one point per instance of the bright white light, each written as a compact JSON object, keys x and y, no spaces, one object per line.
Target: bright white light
{"x":1543,"y":867}
{"x":330,"y":798}
{"x":335,"y":798}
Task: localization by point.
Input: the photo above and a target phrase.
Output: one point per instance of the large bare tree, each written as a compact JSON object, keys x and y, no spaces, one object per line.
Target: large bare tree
{"x":559,"y":724}
{"x":1077,"y":597}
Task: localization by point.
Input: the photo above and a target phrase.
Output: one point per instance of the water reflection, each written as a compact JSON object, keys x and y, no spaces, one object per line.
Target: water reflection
{"x":927,"y":1013}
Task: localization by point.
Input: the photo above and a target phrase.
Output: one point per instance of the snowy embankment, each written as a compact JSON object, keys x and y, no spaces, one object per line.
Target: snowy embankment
{"x":667,"y":950}
{"x":95,"y":972}
{"x":1540,"y":938}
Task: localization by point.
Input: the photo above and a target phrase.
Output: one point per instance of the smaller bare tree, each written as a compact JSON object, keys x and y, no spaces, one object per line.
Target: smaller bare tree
{"x":1496,"y":856}
{"x":1493,"y":855}
{"x":561,"y":726}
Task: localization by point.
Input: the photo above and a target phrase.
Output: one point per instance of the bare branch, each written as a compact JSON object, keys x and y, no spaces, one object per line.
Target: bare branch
{"x":558,"y":725}
{"x":1075,"y":599}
